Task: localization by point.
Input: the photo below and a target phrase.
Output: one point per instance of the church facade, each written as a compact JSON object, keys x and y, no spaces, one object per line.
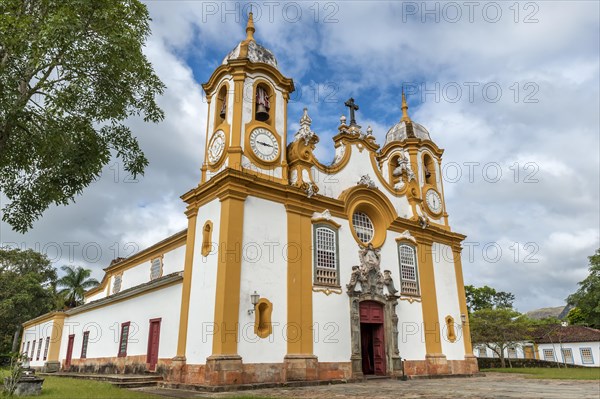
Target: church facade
{"x":290,"y":269}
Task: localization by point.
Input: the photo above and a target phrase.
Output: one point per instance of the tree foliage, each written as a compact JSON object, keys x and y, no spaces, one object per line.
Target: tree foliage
{"x":499,"y":329}
{"x":74,"y":284}
{"x":487,"y":298}
{"x":26,"y":291}
{"x":587,"y":298}
{"x":71,"y":72}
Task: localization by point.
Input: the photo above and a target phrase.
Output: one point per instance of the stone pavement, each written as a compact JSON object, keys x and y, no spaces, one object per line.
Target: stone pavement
{"x":493,"y":386}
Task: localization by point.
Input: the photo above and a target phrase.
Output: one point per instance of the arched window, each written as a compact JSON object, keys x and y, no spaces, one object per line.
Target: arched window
{"x":429,"y":169}
{"x":263,"y":103}
{"x":326,"y":255}
{"x":221,"y":106}
{"x":363,"y":227}
{"x":409,"y":285}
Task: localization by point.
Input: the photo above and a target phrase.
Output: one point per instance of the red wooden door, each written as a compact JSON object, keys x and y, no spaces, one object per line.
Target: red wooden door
{"x":69,"y":351}
{"x":153,"y":340}
{"x":372,"y":338}
{"x":379,"y":350}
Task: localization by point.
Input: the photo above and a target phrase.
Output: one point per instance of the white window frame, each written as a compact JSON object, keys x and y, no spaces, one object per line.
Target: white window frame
{"x":408,"y":286}
{"x":570,"y":351}
{"x":546,"y":351}
{"x":591,"y":355}
{"x":326,"y":275}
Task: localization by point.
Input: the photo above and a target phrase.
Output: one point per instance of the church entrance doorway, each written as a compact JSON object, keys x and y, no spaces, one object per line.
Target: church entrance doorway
{"x":372,"y":338}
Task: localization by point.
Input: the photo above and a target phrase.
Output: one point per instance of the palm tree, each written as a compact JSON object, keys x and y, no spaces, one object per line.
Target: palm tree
{"x":74,"y":284}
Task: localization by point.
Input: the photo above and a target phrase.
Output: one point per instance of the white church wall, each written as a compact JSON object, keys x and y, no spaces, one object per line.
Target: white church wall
{"x":174,"y":261}
{"x":411,"y":339}
{"x":204,"y":284}
{"x":411,"y":342}
{"x":447,"y":300}
{"x":331,"y":314}
{"x":264,"y":270}
{"x":33,"y":334}
{"x":358,"y":165}
{"x":104,"y":325}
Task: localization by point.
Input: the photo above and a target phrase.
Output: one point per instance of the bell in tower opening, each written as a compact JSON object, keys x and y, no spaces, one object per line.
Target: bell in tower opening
{"x":262,"y":104}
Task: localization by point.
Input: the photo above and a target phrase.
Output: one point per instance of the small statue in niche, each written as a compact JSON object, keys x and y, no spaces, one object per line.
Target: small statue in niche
{"x":403,"y":166}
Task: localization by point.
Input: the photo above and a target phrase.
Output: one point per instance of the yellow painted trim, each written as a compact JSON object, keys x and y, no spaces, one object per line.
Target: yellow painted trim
{"x":376,"y":205}
{"x":58,"y":326}
{"x":299,"y":282}
{"x":262,"y":318}
{"x":227,"y":301}
{"x":431,"y":324}
{"x":268,"y":189}
{"x":234,"y":66}
{"x":462,"y":300}
{"x":234,"y":151}
{"x":186,"y":287}
{"x":322,"y":220}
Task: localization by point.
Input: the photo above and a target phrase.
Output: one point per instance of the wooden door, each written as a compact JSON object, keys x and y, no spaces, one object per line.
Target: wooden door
{"x":378,"y":350}
{"x":528,"y":351}
{"x":372,"y":338}
{"x":69,"y":351}
{"x":153,"y":341}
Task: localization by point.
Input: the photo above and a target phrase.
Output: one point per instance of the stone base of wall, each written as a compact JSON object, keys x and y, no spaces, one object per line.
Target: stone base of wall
{"x":439,"y":365}
{"x":116,"y":365}
{"x":221,"y":371}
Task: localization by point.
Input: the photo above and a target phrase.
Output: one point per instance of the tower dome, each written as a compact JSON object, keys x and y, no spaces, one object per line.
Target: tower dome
{"x":250,"y":49}
{"x":406,"y":128}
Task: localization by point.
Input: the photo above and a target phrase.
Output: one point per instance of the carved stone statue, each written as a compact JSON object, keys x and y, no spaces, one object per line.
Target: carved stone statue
{"x":369,"y":275}
{"x":403,"y":167}
{"x":389,"y":283}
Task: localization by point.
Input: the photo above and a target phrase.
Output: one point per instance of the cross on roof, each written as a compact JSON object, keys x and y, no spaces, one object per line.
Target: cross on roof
{"x":353,"y":107}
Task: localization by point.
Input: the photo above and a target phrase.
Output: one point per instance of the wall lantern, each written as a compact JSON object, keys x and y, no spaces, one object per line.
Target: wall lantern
{"x":254,"y":299}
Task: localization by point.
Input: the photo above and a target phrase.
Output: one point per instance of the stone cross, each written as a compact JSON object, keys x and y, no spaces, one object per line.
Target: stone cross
{"x":353,"y":107}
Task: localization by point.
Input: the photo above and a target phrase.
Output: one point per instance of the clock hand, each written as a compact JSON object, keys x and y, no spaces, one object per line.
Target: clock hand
{"x":265,"y":144}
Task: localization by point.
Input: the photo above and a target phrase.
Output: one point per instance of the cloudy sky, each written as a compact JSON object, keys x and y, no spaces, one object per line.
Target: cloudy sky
{"x":509,"y":90}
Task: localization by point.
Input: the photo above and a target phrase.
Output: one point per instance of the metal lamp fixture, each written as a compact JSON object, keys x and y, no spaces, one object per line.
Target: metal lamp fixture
{"x":463,"y":318}
{"x":254,"y":299}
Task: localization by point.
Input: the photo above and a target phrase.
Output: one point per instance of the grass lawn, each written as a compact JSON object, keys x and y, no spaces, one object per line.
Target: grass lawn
{"x":70,"y":388}
{"x":552,"y":373}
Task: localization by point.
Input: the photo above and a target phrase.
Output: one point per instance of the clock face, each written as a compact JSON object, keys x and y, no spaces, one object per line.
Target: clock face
{"x":216,"y":146}
{"x":434,"y":202}
{"x":264,"y":144}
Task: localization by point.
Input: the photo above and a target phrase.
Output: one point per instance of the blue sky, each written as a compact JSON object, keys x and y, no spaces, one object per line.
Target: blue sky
{"x":511,"y":89}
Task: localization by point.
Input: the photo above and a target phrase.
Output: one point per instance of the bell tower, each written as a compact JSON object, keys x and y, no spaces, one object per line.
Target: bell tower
{"x":247,"y":113}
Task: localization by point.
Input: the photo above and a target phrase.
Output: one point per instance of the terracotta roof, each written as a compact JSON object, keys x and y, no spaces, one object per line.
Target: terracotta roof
{"x":557,"y":333}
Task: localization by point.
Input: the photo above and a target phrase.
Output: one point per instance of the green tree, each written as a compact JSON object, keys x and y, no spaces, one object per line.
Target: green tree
{"x":74,"y":284}
{"x":576,"y":317}
{"x":71,"y":72}
{"x":487,"y":298}
{"x":499,"y":329}
{"x":587,"y":297}
{"x":26,"y":291}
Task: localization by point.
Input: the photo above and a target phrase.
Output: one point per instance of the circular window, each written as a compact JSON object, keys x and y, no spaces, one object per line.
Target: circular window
{"x":363,"y":226}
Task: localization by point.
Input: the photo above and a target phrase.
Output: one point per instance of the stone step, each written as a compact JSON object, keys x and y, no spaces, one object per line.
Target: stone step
{"x":112,"y":378}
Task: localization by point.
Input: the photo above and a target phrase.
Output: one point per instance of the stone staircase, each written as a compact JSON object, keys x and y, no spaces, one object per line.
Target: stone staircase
{"x":118,"y":380}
